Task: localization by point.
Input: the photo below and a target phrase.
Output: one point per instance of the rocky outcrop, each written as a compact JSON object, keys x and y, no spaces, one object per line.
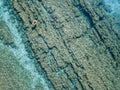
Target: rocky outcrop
{"x":74,"y":43}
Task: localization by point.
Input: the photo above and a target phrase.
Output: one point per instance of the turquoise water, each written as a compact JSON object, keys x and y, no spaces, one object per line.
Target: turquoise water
{"x":19,"y":52}
{"x":17,"y":70}
{"x":114,"y":6}
{"x":12,"y":75}
{"x":113,"y":11}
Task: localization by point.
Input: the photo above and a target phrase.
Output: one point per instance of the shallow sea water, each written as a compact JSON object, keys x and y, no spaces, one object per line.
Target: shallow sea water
{"x":18,"y":71}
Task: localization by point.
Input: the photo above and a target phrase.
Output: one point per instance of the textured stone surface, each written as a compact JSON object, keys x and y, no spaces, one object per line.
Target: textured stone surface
{"x":74,"y":43}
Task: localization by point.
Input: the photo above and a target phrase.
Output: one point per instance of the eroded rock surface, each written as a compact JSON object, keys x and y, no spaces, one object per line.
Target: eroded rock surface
{"x":74,"y":43}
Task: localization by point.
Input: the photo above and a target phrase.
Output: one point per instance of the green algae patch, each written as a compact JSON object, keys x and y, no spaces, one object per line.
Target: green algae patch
{"x":12,"y":75}
{"x":5,"y":34}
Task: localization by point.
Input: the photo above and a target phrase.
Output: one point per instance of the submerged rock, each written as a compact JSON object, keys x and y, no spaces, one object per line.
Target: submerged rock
{"x":75,"y":44}
{"x":12,"y":75}
{"x":5,"y":34}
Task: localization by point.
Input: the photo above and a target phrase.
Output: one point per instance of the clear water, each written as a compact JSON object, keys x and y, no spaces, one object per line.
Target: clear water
{"x":19,"y":51}
{"x":114,"y":6}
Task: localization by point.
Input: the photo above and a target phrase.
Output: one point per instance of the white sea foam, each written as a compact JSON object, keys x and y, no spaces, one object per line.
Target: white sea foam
{"x":20,"y":51}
